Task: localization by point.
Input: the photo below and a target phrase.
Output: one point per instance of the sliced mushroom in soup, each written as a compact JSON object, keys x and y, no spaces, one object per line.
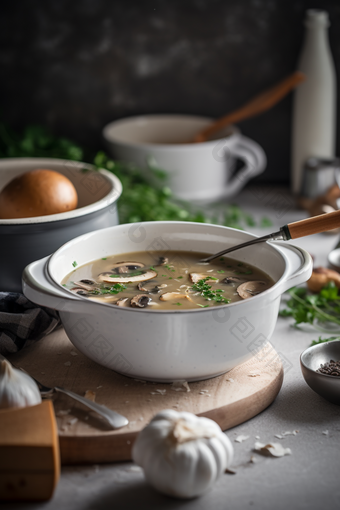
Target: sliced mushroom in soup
{"x":173,"y":280}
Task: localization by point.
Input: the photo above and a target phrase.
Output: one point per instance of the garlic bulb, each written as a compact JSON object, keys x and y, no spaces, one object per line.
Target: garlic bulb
{"x":182,"y":455}
{"x":17,"y":389}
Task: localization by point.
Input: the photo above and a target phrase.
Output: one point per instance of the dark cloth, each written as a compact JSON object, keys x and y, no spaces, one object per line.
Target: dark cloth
{"x":22,"y":322}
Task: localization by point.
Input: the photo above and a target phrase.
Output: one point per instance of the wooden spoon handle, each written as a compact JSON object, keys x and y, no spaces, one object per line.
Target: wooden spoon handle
{"x":255,"y":106}
{"x":314,"y":225}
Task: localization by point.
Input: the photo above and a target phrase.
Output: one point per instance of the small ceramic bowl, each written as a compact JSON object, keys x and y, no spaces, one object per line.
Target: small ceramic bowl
{"x":328,"y":386}
{"x":24,"y":240}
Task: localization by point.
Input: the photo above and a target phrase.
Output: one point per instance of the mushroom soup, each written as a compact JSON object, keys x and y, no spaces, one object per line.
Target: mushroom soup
{"x":166,"y":280}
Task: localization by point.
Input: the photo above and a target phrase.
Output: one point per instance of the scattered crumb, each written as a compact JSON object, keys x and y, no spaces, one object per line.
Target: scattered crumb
{"x":139,"y":380}
{"x":272,"y":449}
{"x":253,"y":374}
{"x":252,"y":459}
{"x":141,"y":418}
{"x":325,"y":432}
{"x":63,"y":412}
{"x":241,"y":438}
{"x":229,"y":471}
{"x":161,"y":392}
{"x":67,"y":364}
{"x":257,"y":437}
{"x":64,"y":428}
{"x":74,"y":353}
{"x":278,"y":436}
{"x":90,"y":395}
{"x":72,"y":421}
{"x":290,"y":433}
{"x":229,"y":379}
{"x":175,"y":405}
{"x":99,"y":387}
{"x":180,"y":385}
{"x":207,"y":395}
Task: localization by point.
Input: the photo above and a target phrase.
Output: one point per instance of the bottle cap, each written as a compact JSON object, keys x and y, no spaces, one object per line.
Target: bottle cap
{"x":316,"y":18}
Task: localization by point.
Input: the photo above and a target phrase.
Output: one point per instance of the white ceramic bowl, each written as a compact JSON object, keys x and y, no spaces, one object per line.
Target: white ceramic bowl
{"x":27,"y":239}
{"x":171,"y":344}
{"x":196,"y":171}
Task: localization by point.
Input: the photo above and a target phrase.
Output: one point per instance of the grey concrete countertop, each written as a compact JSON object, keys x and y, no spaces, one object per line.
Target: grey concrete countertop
{"x":306,"y":479}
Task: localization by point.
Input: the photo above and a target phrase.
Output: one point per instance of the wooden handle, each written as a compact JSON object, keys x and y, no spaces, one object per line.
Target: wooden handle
{"x":255,"y":106}
{"x":314,"y":225}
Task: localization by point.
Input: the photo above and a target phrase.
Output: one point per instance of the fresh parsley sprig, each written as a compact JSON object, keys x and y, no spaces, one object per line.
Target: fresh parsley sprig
{"x":304,"y":307}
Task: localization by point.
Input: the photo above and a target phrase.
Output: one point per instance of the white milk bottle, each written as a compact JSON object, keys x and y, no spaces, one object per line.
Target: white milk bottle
{"x":314,"y":115}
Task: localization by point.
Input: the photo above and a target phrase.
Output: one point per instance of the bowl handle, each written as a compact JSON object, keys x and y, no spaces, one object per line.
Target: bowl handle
{"x":254,"y":159}
{"x":299,"y":266}
{"x":39,"y":288}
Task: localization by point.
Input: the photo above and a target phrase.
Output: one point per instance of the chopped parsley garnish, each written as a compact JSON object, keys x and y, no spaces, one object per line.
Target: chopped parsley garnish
{"x":170,"y":277}
{"x":222,"y":258}
{"x":74,"y":264}
{"x":205,"y":290}
{"x":104,"y":258}
{"x":202,"y":306}
{"x":221,"y":271}
{"x":240,"y":264}
{"x":168,"y":267}
{"x":152,"y":268}
{"x":178,"y":277}
{"x":178,"y":304}
{"x":164,"y":275}
{"x":115,"y":289}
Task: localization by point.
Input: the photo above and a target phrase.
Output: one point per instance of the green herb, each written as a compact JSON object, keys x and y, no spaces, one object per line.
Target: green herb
{"x":164,"y":275}
{"x":178,"y":304}
{"x":265,"y":222}
{"x":221,"y":271}
{"x":240,"y":264}
{"x":146,"y":195}
{"x":64,"y":285}
{"x":304,"y":307}
{"x":104,"y":258}
{"x":202,"y":306}
{"x":205,"y":291}
{"x":324,"y":340}
{"x":170,"y":277}
{"x":168,"y":267}
{"x":152,"y":268}
{"x":114,"y":289}
{"x":74,"y":264}
{"x":179,"y":277}
{"x":222,"y":258}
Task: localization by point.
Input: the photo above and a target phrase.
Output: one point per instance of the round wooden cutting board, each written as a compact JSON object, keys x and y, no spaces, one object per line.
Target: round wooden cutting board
{"x":84,"y":437}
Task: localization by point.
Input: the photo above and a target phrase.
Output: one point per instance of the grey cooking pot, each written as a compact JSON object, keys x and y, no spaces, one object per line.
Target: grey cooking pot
{"x":24,"y":240}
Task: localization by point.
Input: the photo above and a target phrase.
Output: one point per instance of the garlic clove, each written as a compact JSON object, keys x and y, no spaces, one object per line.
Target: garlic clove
{"x":182,"y":455}
{"x":17,"y":389}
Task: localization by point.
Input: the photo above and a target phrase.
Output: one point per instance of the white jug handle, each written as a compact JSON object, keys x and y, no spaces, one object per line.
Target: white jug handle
{"x":255,"y":162}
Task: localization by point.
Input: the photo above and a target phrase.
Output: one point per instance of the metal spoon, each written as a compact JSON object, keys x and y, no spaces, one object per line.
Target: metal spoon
{"x":301,"y":228}
{"x":115,"y":420}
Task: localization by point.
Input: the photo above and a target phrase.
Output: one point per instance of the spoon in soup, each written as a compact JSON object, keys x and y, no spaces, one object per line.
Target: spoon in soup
{"x":301,"y":228}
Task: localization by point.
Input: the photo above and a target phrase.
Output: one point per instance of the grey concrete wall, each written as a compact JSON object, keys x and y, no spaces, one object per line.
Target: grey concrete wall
{"x":75,"y":65}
